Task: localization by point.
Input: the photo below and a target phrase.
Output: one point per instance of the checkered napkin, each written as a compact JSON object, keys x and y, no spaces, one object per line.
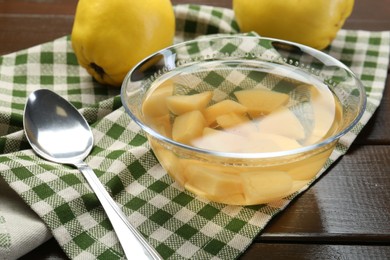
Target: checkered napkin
{"x":178,"y":224}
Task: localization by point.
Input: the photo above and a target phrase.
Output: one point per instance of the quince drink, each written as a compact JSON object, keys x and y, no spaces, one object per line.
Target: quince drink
{"x":241,"y":109}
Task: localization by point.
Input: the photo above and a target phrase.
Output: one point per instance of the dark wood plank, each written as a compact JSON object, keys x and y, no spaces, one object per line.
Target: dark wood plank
{"x":313,"y":251}
{"x":25,"y":23}
{"x":344,"y":215}
{"x":51,"y":19}
{"x":349,"y":200}
{"x":369,"y":15}
{"x":29,"y":30}
{"x":41,"y":7}
{"x":377,"y":131}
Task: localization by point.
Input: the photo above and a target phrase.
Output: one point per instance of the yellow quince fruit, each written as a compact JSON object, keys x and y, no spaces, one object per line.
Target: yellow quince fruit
{"x":109,"y":37}
{"x":311,"y":22}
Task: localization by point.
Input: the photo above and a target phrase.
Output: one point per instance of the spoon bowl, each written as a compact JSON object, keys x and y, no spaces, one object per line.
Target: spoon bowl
{"x":59,"y":133}
{"x":56,"y":130}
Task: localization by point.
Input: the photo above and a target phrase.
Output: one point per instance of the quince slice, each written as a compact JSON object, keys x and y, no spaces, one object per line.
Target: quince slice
{"x":212,"y":181}
{"x":161,"y":124}
{"x":155,"y":105}
{"x":232,"y":199}
{"x":325,"y":113}
{"x":262,"y":186}
{"x":181,"y":104}
{"x":268,"y":142}
{"x":282,"y":122}
{"x":261,"y":101}
{"x":170,"y":161}
{"x":307,"y":168}
{"x":188,"y":126}
{"x":218,"y":140}
{"x":236,"y":124}
{"x":223,"y":107}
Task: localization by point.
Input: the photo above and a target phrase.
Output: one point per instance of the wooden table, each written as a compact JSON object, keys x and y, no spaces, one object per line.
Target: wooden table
{"x":344,"y":215}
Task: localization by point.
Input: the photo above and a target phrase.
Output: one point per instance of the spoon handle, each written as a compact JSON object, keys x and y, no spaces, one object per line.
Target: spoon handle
{"x":133,"y":243}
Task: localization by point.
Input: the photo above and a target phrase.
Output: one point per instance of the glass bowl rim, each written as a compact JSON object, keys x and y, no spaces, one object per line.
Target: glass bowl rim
{"x":244,"y":155}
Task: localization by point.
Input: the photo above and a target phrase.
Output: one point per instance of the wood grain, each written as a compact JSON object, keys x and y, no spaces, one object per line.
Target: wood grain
{"x":32,"y":31}
{"x":377,"y":131}
{"x":314,"y":251}
{"x":345,"y":201}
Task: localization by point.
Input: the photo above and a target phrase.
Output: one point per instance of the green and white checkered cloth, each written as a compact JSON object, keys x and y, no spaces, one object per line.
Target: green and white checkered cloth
{"x":178,"y":224}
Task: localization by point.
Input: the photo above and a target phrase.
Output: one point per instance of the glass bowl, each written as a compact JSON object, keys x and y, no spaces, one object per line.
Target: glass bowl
{"x":242,"y":120}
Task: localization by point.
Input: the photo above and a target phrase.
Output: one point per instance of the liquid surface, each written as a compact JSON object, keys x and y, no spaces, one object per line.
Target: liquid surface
{"x":242,"y":106}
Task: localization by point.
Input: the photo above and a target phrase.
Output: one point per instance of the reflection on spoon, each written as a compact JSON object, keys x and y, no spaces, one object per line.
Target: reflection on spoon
{"x":59,"y":133}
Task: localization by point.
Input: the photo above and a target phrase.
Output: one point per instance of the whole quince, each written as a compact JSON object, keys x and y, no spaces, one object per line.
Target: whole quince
{"x":313,"y":23}
{"x":109,"y":37}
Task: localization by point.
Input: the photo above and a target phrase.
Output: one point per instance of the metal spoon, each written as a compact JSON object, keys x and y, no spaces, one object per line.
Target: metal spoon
{"x":59,"y":133}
